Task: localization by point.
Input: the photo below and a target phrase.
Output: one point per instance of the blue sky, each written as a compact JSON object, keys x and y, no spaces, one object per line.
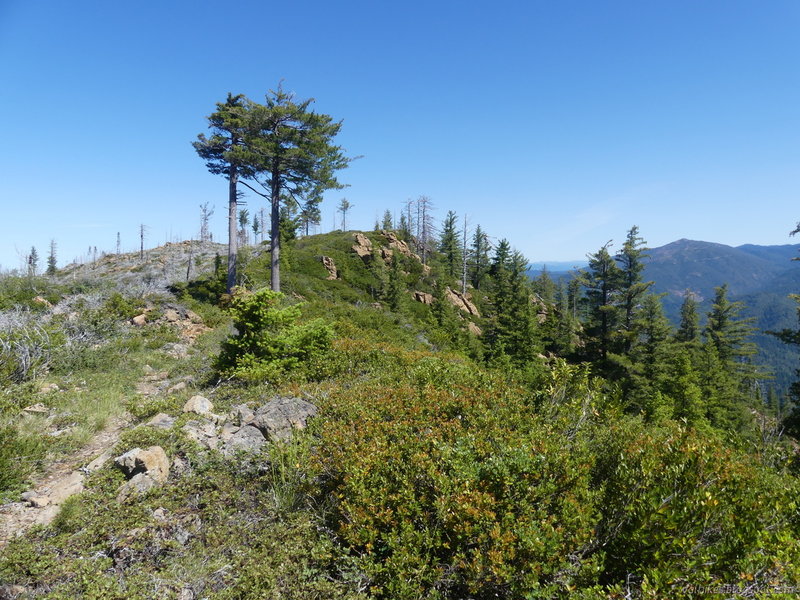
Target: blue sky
{"x":555,"y":124}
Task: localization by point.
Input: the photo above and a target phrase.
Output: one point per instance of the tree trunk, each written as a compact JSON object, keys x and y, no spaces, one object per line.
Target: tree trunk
{"x":275,"y":234}
{"x":233,"y":178}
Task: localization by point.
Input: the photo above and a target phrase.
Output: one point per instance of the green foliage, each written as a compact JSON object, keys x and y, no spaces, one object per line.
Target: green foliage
{"x":20,"y":455}
{"x":269,"y":342}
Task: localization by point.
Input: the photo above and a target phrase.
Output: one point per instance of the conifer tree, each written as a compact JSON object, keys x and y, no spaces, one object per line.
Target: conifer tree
{"x":480,"y":257}
{"x":33,"y":262}
{"x":648,"y":358}
{"x":310,"y":213}
{"x":450,"y":245}
{"x":289,"y":149}
{"x":689,"y":328}
{"x":728,"y":332}
{"x":344,"y":207}
{"x":631,"y":287}
{"x":512,"y":330}
{"x":244,"y":221}
{"x":51,"y":259}
{"x":223,"y":156}
{"x":404,"y":227}
{"x":602,"y":283}
{"x":386,"y":223}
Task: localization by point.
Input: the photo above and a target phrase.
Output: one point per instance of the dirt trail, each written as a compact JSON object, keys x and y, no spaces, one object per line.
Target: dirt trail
{"x":60,"y":480}
{"x":64,"y":477}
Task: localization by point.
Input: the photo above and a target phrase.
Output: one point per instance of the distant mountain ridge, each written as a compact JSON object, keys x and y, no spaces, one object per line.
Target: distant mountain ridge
{"x":702,"y":266}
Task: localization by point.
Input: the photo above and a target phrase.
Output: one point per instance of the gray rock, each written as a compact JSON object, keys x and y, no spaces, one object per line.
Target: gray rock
{"x":202,"y":432}
{"x":178,"y":387}
{"x":228,"y":429}
{"x":279,"y":417}
{"x":152,"y":462}
{"x":136,"y":486}
{"x":241,"y":414}
{"x":247,"y":439}
{"x":161,"y":421}
{"x":38,"y":501}
{"x":198,"y":404}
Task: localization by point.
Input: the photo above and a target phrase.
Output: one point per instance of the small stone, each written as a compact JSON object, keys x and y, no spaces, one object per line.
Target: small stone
{"x":198,"y":404}
{"x":202,"y":432}
{"x":247,"y":439}
{"x":160,"y":514}
{"x":136,"y":486}
{"x":38,"y":408}
{"x":474,"y":329}
{"x":242,"y":414}
{"x":228,"y":429}
{"x":161,"y":421}
{"x":139,"y":320}
{"x":153,"y":462}
{"x":25,"y":496}
{"x":180,"y":465}
{"x":178,"y":387}
{"x":148,"y":370}
{"x":39,"y":501}
{"x":194,"y":317}
{"x":49,"y":387}
{"x":172,"y":315}
{"x":279,"y":417}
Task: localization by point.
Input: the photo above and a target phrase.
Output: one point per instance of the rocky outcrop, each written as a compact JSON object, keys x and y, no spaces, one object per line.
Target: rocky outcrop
{"x":189,"y":324}
{"x":145,"y":470}
{"x":423,"y":297}
{"x":396,"y":243}
{"x":474,"y":329}
{"x":330,"y":266}
{"x":461,"y":302}
{"x":362,"y":247}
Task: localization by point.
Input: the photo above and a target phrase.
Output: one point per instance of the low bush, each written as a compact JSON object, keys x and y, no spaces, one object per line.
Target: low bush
{"x":269,"y":342}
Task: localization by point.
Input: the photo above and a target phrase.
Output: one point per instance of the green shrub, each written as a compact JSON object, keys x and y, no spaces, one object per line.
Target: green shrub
{"x":269,"y":342}
{"x":19,"y":456}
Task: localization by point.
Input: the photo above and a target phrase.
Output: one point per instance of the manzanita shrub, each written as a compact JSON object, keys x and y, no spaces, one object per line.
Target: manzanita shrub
{"x":269,"y":341}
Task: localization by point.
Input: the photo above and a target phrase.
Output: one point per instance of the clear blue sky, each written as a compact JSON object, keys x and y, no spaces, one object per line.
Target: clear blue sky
{"x":555,"y":124}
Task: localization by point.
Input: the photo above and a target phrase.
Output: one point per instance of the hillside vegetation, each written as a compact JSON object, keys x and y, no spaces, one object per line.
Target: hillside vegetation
{"x":522,"y":440}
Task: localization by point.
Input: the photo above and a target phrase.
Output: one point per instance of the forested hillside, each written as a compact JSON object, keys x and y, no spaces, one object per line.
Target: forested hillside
{"x":386,"y":428}
{"x":761,"y":277}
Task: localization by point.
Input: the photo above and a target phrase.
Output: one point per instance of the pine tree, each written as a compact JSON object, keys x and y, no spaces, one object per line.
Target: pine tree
{"x":223,"y":156}
{"x":256,"y":229}
{"x":512,"y":329}
{"x":289,"y":149}
{"x":648,"y":358}
{"x":450,"y":245}
{"x":689,"y":328}
{"x":310,"y":214}
{"x":344,"y":207}
{"x":51,"y":259}
{"x":602,"y":283}
{"x":205,"y":217}
{"x":728,"y":332}
{"x":386,"y":224}
{"x":33,"y":262}
{"x":244,"y":221}
{"x":479,"y":253}
{"x":631,"y":287}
